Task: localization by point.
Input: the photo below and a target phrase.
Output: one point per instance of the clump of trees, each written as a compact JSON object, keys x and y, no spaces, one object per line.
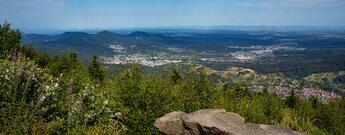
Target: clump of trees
{"x":40,"y":94}
{"x":339,"y":79}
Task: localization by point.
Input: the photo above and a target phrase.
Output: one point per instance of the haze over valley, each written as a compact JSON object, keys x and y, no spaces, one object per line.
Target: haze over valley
{"x":291,"y":55}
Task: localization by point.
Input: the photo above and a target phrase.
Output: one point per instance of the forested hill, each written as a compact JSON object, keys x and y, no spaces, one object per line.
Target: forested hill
{"x":87,"y":44}
{"x":266,"y":51}
{"x":41,"y":94}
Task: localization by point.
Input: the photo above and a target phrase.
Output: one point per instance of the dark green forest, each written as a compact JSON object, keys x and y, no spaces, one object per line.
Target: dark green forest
{"x":40,"y":94}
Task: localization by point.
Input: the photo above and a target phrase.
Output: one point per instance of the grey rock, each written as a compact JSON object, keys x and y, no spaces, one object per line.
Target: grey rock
{"x":215,"y":122}
{"x":171,"y":123}
{"x":262,"y":129}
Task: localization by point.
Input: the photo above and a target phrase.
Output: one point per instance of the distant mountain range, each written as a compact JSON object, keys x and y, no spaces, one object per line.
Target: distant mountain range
{"x":87,"y":44}
{"x":193,"y":41}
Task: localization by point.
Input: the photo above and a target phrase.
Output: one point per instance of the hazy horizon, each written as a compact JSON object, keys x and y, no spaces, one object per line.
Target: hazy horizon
{"x":74,"y":15}
{"x":182,"y":28}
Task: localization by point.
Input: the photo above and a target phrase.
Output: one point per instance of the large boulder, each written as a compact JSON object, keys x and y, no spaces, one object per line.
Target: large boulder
{"x":215,"y":122}
{"x":171,"y":123}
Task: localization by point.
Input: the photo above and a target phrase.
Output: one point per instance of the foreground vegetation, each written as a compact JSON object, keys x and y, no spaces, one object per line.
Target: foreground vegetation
{"x":59,"y":95}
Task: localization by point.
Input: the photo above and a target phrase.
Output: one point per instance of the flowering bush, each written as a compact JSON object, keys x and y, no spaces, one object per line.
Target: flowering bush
{"x":22,"y":93}
{"x":29,"y":94}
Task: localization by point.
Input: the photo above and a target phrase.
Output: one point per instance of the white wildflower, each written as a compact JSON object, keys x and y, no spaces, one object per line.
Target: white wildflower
{"x":105,"y":102}
{"x":42,"y":98}
{"x":56,"y":85}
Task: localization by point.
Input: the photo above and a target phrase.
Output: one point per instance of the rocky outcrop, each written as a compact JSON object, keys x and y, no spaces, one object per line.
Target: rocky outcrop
{"x":215,"y":122}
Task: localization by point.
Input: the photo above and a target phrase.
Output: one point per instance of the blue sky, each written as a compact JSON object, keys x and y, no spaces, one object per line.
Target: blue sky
{"x":31,"y":15}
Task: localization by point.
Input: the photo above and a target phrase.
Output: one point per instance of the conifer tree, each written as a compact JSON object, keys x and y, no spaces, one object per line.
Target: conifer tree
{"x":292,"y":99}
{"x":96,"y":70}
{"x":176,"y":76}
{"x":314,"y":102}
{"x":242,"y":91}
